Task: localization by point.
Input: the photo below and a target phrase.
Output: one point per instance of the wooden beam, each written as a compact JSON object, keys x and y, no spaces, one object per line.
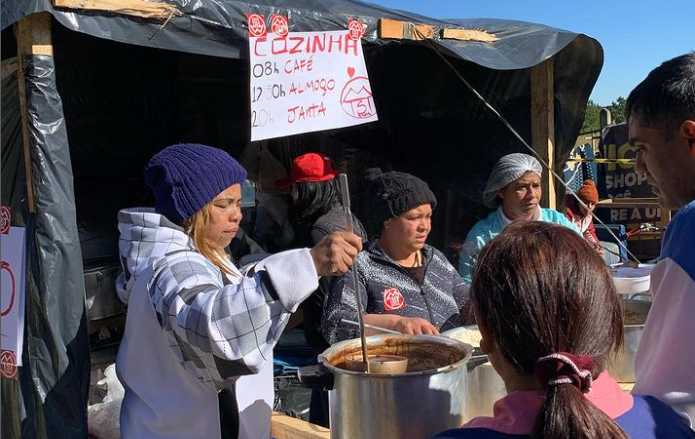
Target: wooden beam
{"x":615,"y":203}
{"x":34,"y":35}
{"x":418,"y":32}
{"x":392,"y":29}
{"x":404,"y":30}
{"x":33,"y":38}
{"x":136,"y":8}
{"x":468,"y":35}
{"x":543,"y":127}
{"x":285,"y":427}
{"x":627,"y":387}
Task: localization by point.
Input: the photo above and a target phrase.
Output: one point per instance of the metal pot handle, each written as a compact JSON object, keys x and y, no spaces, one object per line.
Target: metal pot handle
{"x":317,"y":376}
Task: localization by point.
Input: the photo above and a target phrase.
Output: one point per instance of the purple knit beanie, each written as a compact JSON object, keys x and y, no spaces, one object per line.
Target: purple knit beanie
{"x":186,"y":177}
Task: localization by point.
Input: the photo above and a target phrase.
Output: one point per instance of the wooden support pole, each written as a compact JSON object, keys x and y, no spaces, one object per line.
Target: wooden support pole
{"x":605,"y":118}
{"x":33,"y":38}
{"x":543,"y":127}
{"x":665,"y":217}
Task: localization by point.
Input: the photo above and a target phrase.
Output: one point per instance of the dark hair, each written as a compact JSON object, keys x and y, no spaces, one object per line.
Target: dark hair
{"x":316,"y":198}
{"x":666,"y":97}
{"x":541,"y":289}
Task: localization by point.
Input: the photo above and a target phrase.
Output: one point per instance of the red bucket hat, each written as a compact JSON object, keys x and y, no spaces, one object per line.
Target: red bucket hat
{"x":309,"y":167}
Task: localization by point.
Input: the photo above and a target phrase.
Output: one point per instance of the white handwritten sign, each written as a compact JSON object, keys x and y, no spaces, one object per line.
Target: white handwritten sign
{"x":12,"y":288}
{"x":306,"y":81}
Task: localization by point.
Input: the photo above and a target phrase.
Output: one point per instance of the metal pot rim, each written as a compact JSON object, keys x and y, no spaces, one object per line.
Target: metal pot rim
{"x":323,"y":357}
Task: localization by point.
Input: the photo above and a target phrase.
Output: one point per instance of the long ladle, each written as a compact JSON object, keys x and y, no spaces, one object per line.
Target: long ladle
{"x":366,"y":325}
{"x":345,"y":192}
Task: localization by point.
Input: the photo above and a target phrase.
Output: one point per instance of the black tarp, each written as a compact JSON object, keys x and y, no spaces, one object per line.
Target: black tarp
{"x":48,"y":400}
{"x":137,"y":88}
{"x":421,"y":103}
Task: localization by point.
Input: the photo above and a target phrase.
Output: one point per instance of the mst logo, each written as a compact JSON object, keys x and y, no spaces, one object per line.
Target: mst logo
{"x":393,"y":299}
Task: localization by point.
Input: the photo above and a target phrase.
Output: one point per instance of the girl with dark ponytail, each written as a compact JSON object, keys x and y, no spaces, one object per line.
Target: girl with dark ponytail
{"x":550,"y":318}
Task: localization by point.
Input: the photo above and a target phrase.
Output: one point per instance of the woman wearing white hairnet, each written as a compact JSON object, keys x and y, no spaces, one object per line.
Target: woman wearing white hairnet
{"x":514,"y":188}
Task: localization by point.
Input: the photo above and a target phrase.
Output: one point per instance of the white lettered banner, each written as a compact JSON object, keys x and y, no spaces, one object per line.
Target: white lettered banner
{"x":12,"y":288}
{"x":306,"y":81}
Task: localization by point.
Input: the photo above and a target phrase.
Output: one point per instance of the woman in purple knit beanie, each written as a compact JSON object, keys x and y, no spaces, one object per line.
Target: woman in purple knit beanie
{"x":195,"y":322}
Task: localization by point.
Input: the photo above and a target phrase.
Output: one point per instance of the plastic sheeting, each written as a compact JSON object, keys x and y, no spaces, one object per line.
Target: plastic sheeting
{"x":49,"y":399}
{"x":218,"y":28}
{"x":211,"y":27}
{"x":422,"y":105}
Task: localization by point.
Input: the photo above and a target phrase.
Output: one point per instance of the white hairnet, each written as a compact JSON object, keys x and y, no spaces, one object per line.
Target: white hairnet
{"x":506,"y":170}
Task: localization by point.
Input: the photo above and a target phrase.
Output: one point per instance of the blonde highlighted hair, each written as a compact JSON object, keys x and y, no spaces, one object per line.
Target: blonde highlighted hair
{"x":195,"y":227}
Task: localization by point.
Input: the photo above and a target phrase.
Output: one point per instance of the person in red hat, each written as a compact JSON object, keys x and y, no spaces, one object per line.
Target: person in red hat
{"x":316,"y":196}
{"x":581,"y":216}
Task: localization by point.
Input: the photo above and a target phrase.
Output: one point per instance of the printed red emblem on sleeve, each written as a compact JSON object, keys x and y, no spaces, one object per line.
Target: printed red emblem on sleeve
{"x":393,"y":299}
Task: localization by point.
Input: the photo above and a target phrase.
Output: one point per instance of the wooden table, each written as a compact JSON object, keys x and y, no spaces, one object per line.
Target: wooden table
{"x":627,"y":386}
{"x":287,"y":427}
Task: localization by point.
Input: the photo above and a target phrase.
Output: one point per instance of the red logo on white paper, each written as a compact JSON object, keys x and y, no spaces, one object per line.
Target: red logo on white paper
{"x":355,"y":29}
{"x":279,"y":25}
{"x":4,"y":266}
{"x":393,"y":299}
{"x":256,"y":25}
{"x":9,"y":364}
{"x":6,"y":220}
{"x":356,"y":98}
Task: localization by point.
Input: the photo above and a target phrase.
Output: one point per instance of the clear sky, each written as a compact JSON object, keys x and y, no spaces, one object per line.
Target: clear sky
{"x":636,"y":35}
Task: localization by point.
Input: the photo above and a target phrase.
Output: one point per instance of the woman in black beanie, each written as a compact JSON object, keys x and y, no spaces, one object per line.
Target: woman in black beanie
{"x":405,"y":284}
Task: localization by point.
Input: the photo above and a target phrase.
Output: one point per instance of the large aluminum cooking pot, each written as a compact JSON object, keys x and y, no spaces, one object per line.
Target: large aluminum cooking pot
{"x":431,"y":396}
{"x":485,"y":385}
{"x":622,"y":366}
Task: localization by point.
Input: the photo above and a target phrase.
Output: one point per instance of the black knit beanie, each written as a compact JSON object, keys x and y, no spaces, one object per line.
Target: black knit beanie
{"x":396,"y":192}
